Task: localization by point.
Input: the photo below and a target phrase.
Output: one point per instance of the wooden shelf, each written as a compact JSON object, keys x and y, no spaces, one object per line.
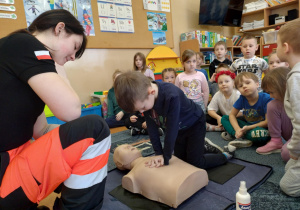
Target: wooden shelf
{"x":163,"y":58}
{"x":253,"y":12}
{"x":282,"y":5}
{"x":205,"y":65}
{"x":270,"y":8}
{"x":266,"y":27}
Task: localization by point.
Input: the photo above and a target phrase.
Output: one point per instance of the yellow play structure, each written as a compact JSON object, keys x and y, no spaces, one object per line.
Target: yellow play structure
{"x":162,"y":57}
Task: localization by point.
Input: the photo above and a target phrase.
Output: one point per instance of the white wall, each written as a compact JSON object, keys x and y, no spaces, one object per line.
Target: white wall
{"x":93,"y":71}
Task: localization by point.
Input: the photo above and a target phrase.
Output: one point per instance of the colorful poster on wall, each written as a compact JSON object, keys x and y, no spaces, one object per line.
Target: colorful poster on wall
{"x":157,"y":5}
{"x":151,"y":5}
{"x":157,"y":21}
{"x":165,"y":5}
{"x":85,"y":16}
{"x":159,"y":38}
{"x":115,"y":16}
{"x":81,"y":9}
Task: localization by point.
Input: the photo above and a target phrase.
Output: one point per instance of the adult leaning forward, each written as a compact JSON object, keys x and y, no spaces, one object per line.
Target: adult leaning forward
{"x":71,"y":157}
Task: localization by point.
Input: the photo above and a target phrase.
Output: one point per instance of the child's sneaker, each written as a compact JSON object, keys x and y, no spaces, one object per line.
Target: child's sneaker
{"x":229,"y":151}
{"x":160,"y":131}
{"x":210,"y":127}
{"x":210,"y":147}
{"x":269,"y":148}
{"x":240,"y":143}
{"x":134,"y":131}
{"x":226,"y":136}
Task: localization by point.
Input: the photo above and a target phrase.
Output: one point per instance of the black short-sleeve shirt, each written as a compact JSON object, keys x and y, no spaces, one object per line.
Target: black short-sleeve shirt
{"x":22,"y":56}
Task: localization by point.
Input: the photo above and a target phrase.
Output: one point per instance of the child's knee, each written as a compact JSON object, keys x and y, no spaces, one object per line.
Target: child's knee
{"x":290,"y":182}
{"x":225,"y":118}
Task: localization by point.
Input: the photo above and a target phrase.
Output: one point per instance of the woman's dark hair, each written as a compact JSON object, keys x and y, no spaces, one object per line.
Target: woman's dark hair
{"x":50,"y":19}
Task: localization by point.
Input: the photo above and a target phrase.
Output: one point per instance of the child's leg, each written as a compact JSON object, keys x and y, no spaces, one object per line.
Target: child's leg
{"x":189,"y":147}
{"x":290,"y":182}
{"x":137,"y":124}
{"x":285,"y":154}
{"x":113,"y":123}
{"x":228,"y":127}
{"x":74,"y":155}
{"x":258,"y":135}
{"x":279,"y":124}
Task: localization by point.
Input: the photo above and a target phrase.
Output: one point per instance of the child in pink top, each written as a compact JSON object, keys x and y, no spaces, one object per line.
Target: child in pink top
{"x":139,"y":64}
{"x":192,"y":82}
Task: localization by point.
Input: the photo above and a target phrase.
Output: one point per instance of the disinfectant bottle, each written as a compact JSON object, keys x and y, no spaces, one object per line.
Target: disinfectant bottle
{"x":243,"y":200}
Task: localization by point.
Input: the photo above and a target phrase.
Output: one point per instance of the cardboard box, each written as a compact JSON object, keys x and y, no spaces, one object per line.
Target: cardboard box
{"x":270,"y":37}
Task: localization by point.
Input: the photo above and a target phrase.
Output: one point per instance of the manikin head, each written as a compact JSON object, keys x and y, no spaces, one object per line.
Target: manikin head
{"x":124,"y":155}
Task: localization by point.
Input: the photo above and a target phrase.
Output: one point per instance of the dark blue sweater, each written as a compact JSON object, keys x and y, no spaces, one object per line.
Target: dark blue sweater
{"x":179,"y":112}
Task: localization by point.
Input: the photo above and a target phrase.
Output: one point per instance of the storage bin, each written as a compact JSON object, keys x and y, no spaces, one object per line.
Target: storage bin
{"x":84,"y":112}
{"x":270,"y":37}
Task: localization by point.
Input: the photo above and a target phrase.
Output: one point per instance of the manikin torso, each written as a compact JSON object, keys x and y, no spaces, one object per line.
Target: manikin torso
{"x":171,"y":184}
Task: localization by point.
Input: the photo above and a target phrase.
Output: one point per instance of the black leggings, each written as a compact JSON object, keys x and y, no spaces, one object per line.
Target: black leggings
{"x":189,"y":147}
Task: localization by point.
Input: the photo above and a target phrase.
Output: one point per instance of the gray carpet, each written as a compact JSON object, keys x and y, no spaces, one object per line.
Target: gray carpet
{"x":268,"y":195}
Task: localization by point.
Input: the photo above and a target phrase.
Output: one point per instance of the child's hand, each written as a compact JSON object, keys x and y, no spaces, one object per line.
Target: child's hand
{"x":133,"y":118}
{"x":219,"y":122}
{"x":119,"y":116}
{"x":213,"y":78}
{"x":144,"y":125}
{"x":239,"y":133}
{"x":245,"y":129}
{"x":156,"y":161}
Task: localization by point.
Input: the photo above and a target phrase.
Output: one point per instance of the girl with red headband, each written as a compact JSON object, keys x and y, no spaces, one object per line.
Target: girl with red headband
{"x":222,"y":102}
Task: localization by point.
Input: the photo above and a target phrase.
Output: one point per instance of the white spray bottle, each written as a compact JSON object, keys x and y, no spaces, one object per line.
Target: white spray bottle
{"x":243,"y":199}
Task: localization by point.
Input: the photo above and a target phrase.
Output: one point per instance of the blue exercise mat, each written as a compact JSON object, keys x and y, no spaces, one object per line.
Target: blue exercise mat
{"x":213,"y":196}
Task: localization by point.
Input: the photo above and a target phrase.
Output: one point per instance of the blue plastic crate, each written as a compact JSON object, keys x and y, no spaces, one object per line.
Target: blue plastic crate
{"x":84,"y":112}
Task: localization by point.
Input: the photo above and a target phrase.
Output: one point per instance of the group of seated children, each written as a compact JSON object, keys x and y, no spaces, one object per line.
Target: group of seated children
{"x":251,"y":111}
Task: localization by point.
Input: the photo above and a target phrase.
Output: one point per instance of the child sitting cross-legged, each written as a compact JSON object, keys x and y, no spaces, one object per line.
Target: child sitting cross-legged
{"x":115,"y":115}
{"x":212,"y":84}
{"x":254,"y":106}
{"x":222,"y":102}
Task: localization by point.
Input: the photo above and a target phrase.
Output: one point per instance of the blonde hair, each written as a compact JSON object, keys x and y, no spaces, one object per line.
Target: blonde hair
{"x":187,"y":54}
{"x":143,"y":58}
{"x":276,"y":81}
{"x":248,"y":75}
{"x":289,"y":33}
{"x":167,"y":70}
{"x":116,"y":72}
{"x":270,"y":55}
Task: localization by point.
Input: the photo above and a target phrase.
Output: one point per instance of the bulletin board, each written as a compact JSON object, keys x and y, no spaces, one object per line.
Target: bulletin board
{"x":141,"y":38}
